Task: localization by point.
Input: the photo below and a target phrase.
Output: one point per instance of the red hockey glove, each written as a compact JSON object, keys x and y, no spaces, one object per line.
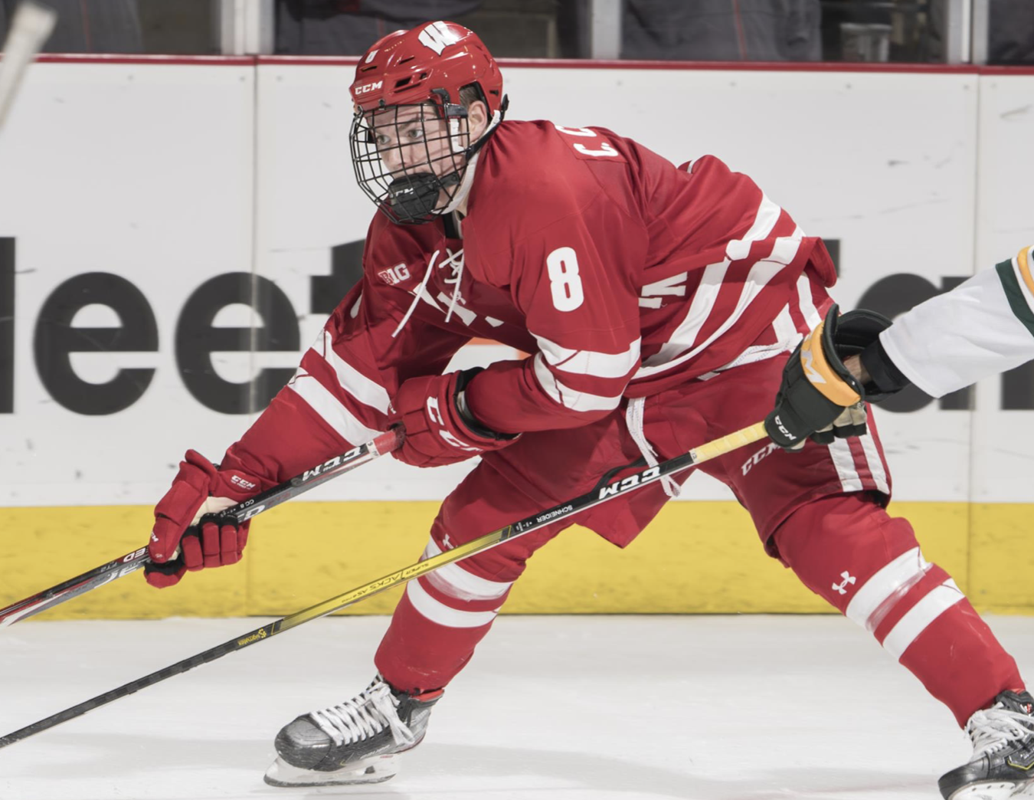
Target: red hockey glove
{"x":439,"y":428}
{"x":186,"y":535}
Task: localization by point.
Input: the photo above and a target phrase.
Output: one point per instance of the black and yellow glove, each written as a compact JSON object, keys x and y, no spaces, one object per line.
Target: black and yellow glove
{"x":819,"y":398}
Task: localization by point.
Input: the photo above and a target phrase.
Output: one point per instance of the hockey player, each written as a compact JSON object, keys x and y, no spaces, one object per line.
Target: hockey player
{"x":982,"y":327}
{"x":659,"y":304}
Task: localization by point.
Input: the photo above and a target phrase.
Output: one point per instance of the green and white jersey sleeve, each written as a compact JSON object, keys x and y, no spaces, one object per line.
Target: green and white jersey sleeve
{"x":982,"y":327}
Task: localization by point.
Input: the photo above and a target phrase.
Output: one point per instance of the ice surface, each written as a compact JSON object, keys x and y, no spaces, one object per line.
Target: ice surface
{"x":550,"y":708}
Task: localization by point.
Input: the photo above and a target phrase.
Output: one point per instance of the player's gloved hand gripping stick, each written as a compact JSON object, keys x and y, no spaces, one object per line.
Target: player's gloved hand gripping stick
{"x":819,"y":398}
{"x":558,"y":512}
{"x":439,"y":428}
{"x":240,"y":514}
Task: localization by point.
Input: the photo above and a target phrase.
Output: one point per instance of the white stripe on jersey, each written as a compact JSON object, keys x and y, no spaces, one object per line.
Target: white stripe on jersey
{"x":366,"y":391}
{"x":651,"y":294}
{"x":700,"y":307}
{"x":568,"y":397}
{"x":786,"y":333}
{"x":465,"y":314}
{"x":330,"y":409}
{"x":589,"y":362}
{"x":760,"y":275}
{"x":706,"y":295}
{"x":806,"y":302}
{"x":787,"y":338}
{"x":786,"y":247}
{"x":764,"y":222}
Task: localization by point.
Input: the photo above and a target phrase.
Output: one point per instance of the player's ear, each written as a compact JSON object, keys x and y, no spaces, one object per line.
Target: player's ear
{"x":477,"y":119}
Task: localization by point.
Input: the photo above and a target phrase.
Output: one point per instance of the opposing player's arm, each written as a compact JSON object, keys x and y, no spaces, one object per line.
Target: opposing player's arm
{"x":980,"y":328}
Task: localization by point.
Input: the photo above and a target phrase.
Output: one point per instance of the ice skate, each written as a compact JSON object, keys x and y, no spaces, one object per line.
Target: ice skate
{"x":1003,"y":753}
{"x":356,"y":742}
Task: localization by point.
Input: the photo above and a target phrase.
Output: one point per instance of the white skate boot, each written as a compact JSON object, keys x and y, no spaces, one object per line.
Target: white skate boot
{"x":358,"y":741}
{"x":1003,"y":753}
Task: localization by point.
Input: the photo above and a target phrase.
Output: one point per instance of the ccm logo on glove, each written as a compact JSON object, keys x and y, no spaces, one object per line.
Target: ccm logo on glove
{"x":188,"y":532}
{"x":782,"y":429}
{"x":439,"y":428}
{"x":435,"y":415}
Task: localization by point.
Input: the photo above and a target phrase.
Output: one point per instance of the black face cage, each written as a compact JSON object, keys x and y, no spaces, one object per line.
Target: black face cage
{"x":411,"y":167}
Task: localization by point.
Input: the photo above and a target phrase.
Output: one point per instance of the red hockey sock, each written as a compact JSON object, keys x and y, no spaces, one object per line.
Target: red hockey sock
{"x":439,"y":621}
{"x":417,"y":654}
{"x":868,"y":565}
{"x":961,"y":663}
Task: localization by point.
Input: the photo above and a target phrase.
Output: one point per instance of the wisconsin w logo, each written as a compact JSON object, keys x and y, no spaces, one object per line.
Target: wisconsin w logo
{"x":437,"y":36}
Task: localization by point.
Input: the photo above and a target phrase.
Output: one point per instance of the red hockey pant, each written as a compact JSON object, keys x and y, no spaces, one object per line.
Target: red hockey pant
{"x":820,"y":511}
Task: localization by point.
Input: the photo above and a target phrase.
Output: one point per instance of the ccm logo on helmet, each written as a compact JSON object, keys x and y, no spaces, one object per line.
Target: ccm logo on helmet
{"x":368,"y":87}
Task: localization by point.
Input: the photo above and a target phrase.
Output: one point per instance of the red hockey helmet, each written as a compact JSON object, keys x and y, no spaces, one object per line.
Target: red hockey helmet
{"x":414,"y":66}
{"x":411,"y":138}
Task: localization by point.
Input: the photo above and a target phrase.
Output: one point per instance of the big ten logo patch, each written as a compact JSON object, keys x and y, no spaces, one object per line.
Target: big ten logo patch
{"x":393,"y":275}
{"x":755,"y":459}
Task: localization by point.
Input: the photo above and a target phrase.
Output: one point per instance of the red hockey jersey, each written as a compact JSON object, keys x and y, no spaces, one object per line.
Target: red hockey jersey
{"x":622,"y":274}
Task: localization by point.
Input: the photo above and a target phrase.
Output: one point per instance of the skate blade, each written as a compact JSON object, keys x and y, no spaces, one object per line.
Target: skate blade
{"x":371,"y":770}
{"x":995,"y":790}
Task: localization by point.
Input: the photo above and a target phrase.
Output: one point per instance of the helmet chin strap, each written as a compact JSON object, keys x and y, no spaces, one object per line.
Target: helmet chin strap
{"x":461,"y":193}
{"x":472,"y":160}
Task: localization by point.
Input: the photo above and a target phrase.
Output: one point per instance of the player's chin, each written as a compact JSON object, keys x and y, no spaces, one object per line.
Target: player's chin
{"x":419,"y":194}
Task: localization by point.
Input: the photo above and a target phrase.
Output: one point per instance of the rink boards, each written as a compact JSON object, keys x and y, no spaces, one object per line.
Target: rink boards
{"x":174,"y":232}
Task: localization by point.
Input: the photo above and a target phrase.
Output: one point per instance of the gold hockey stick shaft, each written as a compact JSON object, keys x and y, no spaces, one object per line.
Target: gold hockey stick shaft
{"x":599,"y":495}
{"x":697,"y":455}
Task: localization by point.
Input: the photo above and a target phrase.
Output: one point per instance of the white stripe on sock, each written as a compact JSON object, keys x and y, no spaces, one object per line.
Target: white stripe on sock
{"x":920,"y":616}
{"x":436,"y":611}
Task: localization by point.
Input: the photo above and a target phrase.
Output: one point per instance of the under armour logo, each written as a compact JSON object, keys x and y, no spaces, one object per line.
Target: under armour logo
{"x":847,"y":578}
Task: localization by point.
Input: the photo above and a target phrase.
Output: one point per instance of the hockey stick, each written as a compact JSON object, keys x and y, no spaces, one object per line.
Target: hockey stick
{"x":558,"y":512}
{"x":31,"y":26}
{"x":268,"y":499}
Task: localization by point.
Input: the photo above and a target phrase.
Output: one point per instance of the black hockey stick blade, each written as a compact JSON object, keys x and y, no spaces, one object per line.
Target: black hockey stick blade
{"x":311,"y":478}
{"x":558,"y":512}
